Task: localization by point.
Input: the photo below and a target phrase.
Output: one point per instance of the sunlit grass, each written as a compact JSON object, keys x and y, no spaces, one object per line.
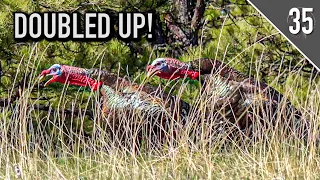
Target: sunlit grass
{"x":49,"y":144}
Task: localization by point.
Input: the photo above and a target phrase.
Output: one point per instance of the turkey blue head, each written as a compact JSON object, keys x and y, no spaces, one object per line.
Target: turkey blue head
{"x":69,"y":75}
{"x":170,"y":68}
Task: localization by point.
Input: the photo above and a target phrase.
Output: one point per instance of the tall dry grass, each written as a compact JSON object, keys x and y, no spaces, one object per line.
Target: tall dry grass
{"x":49,"y":144}
{"x":37,"y":144}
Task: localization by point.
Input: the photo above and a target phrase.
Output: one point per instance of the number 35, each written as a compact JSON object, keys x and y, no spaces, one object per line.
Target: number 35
{"x":295,"y":12}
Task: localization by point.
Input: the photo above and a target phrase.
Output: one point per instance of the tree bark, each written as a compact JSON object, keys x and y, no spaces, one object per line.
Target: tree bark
{"x":184,"y":23}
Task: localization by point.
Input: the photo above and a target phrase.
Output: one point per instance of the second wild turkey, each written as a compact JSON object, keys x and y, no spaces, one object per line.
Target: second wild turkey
{"x":241,"y":99}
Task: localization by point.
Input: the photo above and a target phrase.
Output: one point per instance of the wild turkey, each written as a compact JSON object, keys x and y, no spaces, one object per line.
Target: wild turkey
{"x":156,"y":109}
{"x":241,"y":98}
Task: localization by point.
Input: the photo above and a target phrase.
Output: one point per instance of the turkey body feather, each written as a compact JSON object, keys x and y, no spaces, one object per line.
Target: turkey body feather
{"x":243,"y":96}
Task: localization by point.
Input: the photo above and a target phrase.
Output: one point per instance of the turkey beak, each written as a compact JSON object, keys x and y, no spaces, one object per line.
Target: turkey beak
{"x":151,"y":71}
{"x":41,"y":78}
{"x":43,"y":75}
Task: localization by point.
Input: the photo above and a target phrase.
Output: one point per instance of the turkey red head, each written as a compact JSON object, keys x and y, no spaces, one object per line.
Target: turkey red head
{"x":170,"y":68}
{"x":69,"y":75}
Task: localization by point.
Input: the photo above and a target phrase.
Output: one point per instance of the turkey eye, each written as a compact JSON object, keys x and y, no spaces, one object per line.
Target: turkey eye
{"x":54,"y":69}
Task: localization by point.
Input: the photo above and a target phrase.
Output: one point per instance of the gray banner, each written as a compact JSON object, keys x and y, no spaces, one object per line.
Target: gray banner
{"x":277,"y":11}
